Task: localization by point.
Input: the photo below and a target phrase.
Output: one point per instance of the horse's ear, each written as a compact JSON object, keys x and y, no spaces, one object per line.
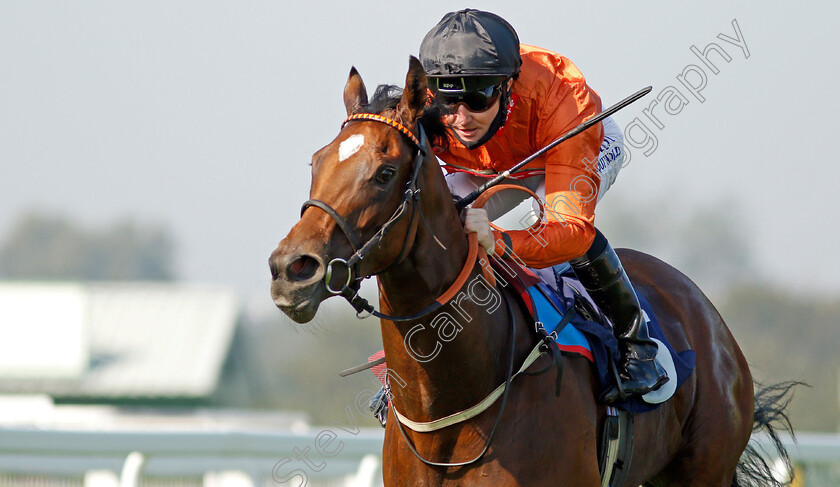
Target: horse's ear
{"x":414,"y":97}
{"x":355,"y":94}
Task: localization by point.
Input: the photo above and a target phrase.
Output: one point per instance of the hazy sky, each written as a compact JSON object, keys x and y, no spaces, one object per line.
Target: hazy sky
{"x":204,"y":115}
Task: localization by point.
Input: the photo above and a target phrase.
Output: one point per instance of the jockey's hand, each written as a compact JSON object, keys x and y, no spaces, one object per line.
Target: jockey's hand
{"x":475,"y":220}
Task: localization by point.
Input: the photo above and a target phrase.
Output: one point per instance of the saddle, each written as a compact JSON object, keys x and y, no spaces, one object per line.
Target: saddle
{"x":570,"y":316}
{"x":579,"y":328}
{"x":546,"y":308}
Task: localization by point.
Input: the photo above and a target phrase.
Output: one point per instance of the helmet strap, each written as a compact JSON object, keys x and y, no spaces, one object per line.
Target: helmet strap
{"x":498,"y":122}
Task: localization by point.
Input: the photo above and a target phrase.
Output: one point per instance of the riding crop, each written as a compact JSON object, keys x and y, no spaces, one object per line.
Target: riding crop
{"x":466,"y":200}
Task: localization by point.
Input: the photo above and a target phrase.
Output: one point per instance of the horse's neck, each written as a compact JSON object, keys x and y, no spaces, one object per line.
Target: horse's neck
{"x":453,"y":352}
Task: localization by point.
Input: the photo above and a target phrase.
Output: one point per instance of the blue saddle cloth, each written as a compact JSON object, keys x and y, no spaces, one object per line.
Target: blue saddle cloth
{"x":591,"y":339}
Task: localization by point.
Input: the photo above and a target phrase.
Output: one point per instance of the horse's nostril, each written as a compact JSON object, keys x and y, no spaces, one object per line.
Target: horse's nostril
{"x":303,"y":268}
{"x":275,"y":268}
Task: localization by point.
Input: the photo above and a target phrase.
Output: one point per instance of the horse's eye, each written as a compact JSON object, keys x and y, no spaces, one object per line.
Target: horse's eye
{"x":385,"y":174}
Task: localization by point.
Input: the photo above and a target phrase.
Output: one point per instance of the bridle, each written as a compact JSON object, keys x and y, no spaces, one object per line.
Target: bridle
{"x":409,"y":205}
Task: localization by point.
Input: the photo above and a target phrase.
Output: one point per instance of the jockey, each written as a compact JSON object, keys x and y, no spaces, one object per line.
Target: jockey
{"x":506,"y":102}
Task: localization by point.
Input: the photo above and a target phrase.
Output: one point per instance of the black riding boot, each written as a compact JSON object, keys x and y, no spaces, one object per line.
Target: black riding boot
{"x":601,"y":273}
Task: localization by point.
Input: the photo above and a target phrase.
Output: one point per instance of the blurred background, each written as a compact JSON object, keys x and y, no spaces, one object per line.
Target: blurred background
{"x":153,"y":154}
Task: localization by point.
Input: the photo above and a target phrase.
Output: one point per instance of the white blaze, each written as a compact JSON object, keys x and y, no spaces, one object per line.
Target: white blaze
{"x":350,"y":146}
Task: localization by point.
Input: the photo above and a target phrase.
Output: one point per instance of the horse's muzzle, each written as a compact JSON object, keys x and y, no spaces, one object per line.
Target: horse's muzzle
{"x":297,"y":283}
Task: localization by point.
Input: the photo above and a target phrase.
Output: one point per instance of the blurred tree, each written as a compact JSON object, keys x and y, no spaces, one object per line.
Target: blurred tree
{"x":295,"y":367}
{"x":43,"y":246}
{"x":784,"y":335}
{"x":708,"y":244}
{"x":790,"y":337}
{"x":715,"y":249}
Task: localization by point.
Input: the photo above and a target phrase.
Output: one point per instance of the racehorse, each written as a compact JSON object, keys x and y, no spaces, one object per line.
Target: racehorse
{"x":378,"y":182}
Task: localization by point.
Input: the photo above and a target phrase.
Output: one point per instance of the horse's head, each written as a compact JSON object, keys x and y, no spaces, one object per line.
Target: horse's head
{"x":359,"y":185}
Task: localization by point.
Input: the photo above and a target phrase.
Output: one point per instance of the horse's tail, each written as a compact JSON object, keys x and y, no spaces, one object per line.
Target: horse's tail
{"x":770,"y":417}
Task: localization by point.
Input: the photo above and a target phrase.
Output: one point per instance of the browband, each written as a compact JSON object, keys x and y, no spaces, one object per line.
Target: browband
{"x":387,"y":121}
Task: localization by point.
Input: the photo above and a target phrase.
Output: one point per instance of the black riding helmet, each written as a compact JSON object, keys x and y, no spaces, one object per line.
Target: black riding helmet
{"x":470,"y":43}
{"x":468,"y":52}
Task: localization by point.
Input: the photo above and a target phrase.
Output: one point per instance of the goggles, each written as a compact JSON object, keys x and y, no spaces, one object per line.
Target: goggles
{"x":478,"y":94}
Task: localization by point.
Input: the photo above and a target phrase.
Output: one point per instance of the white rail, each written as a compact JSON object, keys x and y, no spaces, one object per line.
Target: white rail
{"x":307,"y":458}
{"x":262,"y":457}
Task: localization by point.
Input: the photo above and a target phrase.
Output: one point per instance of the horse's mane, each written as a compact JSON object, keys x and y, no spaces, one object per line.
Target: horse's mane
{"x":386,"y":97}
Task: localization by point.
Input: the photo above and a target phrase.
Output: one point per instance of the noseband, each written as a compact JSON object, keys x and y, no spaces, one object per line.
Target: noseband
{"x":410,"y":198}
